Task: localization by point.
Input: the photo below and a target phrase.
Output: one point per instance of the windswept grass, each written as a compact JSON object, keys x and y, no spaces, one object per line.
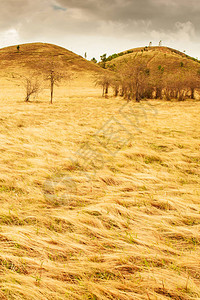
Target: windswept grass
{"x":123,"y":224}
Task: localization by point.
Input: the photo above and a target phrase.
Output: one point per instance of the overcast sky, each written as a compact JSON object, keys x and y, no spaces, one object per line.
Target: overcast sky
{"x":102,"y":26}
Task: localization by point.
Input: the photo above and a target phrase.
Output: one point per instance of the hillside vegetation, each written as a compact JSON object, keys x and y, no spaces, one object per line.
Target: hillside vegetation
{"x":34,"y":60}
{"x":154,"y":72}
{"x":166,"y":57}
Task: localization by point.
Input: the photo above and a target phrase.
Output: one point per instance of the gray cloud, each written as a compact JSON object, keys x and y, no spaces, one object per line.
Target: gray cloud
{"x":163,"y":14}
{"x":95,"y":24}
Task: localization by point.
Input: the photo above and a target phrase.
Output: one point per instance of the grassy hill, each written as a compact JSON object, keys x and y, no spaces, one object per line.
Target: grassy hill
{"x":163,"y":54}
{"x":33,"y":55}
{"x":171,"y":60}
{"x":173,"y":73}
{"x":36,"y":58}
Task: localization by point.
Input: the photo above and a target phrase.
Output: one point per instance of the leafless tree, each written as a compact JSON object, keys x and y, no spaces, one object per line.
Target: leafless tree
{"x":54,"y":74}
{"x":158,"y":78}
{"x":134,"y":74}
{"x":193,"y":82}
{"x":31,"y":86}
{"x":54,"y":77}
{"x":104,"y":80}
{"x":116,"y":83}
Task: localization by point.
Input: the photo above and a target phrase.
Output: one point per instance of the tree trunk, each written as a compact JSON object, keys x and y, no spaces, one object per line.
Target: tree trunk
{"x":106,"y":92}
{"x":116,"y":91}
{"x":192,"y":93}
{"x":103,"y":91}
{"x":167,"y":95}
{"x":137,"y":99}
{"x":176,"y":94}
{"x":122,"y":92}
{"x":180,"y":96}
{"x":137,"y":96}
{"x":158,"y":93}
{"x":51,"y":93}
{"x":27,"y":98}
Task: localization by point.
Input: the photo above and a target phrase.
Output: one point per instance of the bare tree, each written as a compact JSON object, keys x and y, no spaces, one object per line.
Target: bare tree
{"x":54,"y":77}
{"x":168,"y":87}
{"x":134,"y":78}
{"x":31,"y":86}
{"x":104,"y":80}
{"x":158,"y":81}
{"x":176,"y":86}
{"x":193,"y":82}
{"x":116,"y":83}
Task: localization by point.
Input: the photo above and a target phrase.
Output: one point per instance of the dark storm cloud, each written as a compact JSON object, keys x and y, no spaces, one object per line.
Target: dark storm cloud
{"x":162,"y":14}
{"x":92,"y":15}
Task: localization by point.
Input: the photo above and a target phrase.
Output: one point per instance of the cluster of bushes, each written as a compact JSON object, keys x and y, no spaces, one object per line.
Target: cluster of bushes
{"x":132,"y":79}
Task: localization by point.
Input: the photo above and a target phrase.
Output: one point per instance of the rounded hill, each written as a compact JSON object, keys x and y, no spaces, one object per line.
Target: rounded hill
{"x":36,"y":60}
{"x":155,"y":72}
{"x":38,"y":55}
{"x":166,"y":57}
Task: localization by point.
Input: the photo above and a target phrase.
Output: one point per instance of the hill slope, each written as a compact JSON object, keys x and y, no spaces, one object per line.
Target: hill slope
{"x":37,"y":57}
{"x":167,"y":57}
{"x":153,"y":51}
{"x":175,"y":74}
{"x":34,"y":55}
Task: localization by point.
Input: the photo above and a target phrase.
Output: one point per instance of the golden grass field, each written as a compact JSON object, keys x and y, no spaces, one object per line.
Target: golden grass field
{"x":94,"y":211}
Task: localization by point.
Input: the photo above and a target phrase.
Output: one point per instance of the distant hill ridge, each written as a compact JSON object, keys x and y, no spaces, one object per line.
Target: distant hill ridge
{"x":163,"y":49}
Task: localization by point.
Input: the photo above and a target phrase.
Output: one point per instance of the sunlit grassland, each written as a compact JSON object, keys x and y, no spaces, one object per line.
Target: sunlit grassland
{"x":126,"y":227}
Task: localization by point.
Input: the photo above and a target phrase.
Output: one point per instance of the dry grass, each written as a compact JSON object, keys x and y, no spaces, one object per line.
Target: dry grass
{"x":123,"y":226}
{"x":160,"y":56}
{"x":38,"y":55}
